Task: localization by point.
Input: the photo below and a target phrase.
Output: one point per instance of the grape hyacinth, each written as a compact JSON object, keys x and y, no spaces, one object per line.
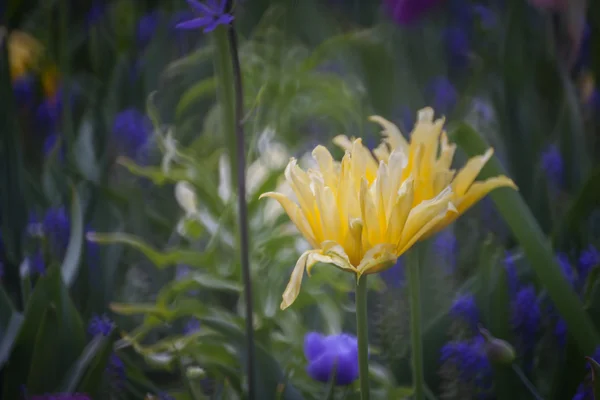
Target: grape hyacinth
{"x":444,"y":95}
{"x":324,"y":353}
{"x":446,"y":246}
{"x":131,"y":131}
{"x":36,"y":263}
{"x":465,"y":364}
{"x":394,"y":277}
{"x":552,"y":164}
{"x":210,"y":15}
{"x":407,"y":12}
{"x":588,"y":259}
{"x":146,"y":28}
{"x":465,"y":309}
{"x":525,"y":320}
{"x":57,"y":228}
{"x":100,"y":325}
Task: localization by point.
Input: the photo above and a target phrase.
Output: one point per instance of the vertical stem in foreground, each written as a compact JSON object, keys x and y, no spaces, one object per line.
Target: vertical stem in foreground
{"x":414,"y":288}
{"x":362,"y":328}
{"x":242,"y":206}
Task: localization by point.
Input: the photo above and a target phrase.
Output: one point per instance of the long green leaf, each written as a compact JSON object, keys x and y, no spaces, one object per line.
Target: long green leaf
{"x":160,"y":260}
{"x":10,"y":325}
{"x":71,"y":263}
{"x":527,"y":231}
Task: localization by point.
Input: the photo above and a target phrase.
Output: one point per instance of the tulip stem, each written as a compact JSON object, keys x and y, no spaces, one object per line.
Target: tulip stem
{"x":362,"y":328}
{"x":414,"y":288}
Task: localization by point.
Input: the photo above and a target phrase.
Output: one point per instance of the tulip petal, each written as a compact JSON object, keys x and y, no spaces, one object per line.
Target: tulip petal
{"x":427,"y":229}
{"x":479,"y":189}
{"x":467,"y":175}
{"x":296,"y":216}
{"x":293,"y":287}
{"x":378,"y":258}
{"x":391,"y":134}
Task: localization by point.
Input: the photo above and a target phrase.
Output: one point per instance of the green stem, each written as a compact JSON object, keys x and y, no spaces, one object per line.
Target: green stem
{"x":414,"y":288}
{"x":362,"y":333}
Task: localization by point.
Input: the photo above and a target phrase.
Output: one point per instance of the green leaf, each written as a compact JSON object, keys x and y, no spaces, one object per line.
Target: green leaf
{"x":71,"y":263}
{"x":527,"y":231}
{"x":10,"y":325}
{"x":61,"y":328}
{"x":401,"y":392}
{"x":86,"y":374}
{"x":160,"y":260}
{"x":199,"y":91}
{"x":269,"y":374}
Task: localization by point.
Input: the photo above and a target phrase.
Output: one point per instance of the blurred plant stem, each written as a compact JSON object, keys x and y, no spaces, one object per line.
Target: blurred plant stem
{"x":362,"y":333}
{"x":414,"y":288}
{"x":229,"y":78}
{"x":67,"y":123}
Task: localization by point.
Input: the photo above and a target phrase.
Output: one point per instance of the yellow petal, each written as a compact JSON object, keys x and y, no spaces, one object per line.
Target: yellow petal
{"x":295,"y":214}
{"x":427,"y":229}
{"x":343,"y":141}
{"x":420,"y":215}
{"x":293,"y":287}
{"x":380,"y":257}
{"x":446,"y":152}
{"x":467,"y":175}
{"x":325,"y":161}
{"x":400,"y":211}
{"x":391,"y":134}
{"x":371,"y":227}
{"x":332,"y":253}
{"x":479,"y":189}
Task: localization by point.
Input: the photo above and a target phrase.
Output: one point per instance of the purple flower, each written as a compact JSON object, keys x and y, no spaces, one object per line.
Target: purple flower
{"x":444,"y":95}
{"x":49,"y":112}
{"x":588,"y":259}
{"x":464,"y":308}
{"x":36,"y":263}
{"x":57,"y":228}
{"x":487,"y":18}
{"x":457,"y":45}
{"x":146,"y":28}
{"x":526,"y":316}
{"x":552,"y":164}
{"x":116,"y":370}
{"x":324,"y":353}
{"x":192,"y":326}
{"x":24,"y":91}
{"x":511,"y":273}
{"x":210,"y":15}
{"x":394,"y":277}
{"x":560,"y":332}
{"x":100,"y":325}
{"x":446,"y":246}
{"x":408,"y":120}
{"x":60,"y":396}
{"x":566,"y":268}
{"x":406,"y":12}
{"x":469,"y":359}
{"x":131,"y":131}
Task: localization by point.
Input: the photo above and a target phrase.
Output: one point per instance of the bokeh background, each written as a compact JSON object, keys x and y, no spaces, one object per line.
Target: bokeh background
{"x":110,"y":289}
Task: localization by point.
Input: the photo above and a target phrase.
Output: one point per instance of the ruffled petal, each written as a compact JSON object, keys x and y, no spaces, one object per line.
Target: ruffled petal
{"x":296,"y":216}
{"x":293,"y":287}
{"x":467,"y":175}
{"x":380,"y":257}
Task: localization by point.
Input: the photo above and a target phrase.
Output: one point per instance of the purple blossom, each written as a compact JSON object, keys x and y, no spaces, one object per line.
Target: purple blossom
{"x":57,"y":228}
{"x":487,"y":18}
{"x":324,"y":353}
{"x":511,"y":273}
{"x":49,"y":112}
{"x":100,"y":325}
{"x":36,"y":263}
{"x":444,"y":95}
{"x":465,"y":308}
{"x":146,"y":28}
{"x":24,"y":91}
{"x":116,"y":370}
{"x":446,"y":246}
{"x":192,"y":326}
{"x":457,"y":46}
{"x":210,"y":15}
{"x":394,"y":277}
{"x":588,"y":259}
{"x":526,"y":316}
{"x":567,"y":269}
{"x":553,"y":165}
{"x":406,"y":12}
{"x":131,"y":131}
{"x":469,"y":359}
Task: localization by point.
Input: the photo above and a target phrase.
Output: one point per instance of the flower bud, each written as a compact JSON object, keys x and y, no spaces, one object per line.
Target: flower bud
{"x":498,"y":351}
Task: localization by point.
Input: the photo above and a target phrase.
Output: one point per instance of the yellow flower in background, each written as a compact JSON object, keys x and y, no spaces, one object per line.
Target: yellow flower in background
{"x":428,"y":159}
{"x":362,"y":213}
{"x":24,"y":53}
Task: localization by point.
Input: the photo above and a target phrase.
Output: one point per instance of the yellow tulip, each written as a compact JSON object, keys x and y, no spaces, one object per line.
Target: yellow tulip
{"x":362,"y":213}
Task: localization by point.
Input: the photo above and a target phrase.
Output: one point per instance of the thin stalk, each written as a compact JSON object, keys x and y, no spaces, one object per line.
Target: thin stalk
{"x":362,"y":333}
{"x":242,"y":206}
{"x":414,"y":288}
{"x":67,"y":123}
{"x":527,"y":383}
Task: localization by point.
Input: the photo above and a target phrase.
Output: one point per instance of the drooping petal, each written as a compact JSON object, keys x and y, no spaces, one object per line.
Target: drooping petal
{"x":479,"y":189}
{"x":427,"y":229}
{"x":467,"y":175}
{"x":293,"y":287}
